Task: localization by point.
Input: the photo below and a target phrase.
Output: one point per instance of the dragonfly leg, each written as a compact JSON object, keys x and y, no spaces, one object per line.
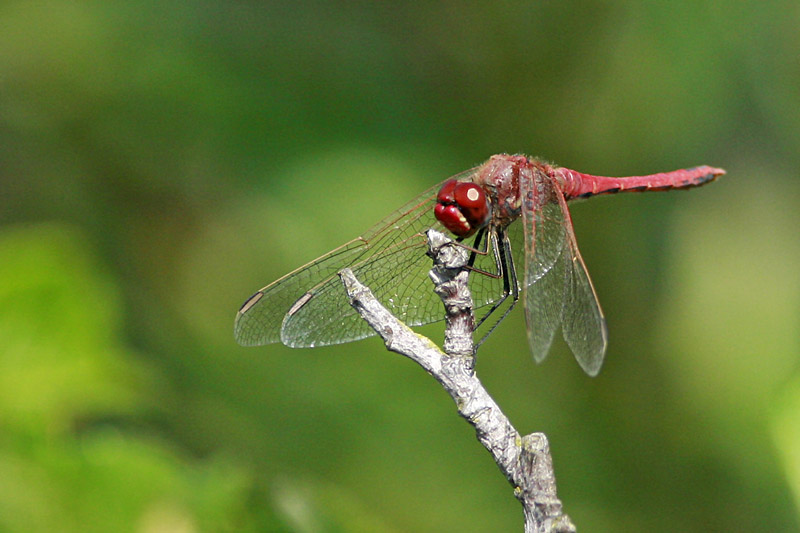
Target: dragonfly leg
{"x":506,"y":268}
{"x":475,"y":248}
{"x":475,"y":251}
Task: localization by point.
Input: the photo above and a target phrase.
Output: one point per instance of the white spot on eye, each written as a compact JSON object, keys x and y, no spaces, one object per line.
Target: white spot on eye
{"x":473,"y":194}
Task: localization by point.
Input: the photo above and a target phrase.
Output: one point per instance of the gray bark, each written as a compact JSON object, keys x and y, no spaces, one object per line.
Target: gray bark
{"x":525,"y":461}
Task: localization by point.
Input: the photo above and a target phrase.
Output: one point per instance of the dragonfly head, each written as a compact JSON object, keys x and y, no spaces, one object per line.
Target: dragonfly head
{"x":462,"y":207}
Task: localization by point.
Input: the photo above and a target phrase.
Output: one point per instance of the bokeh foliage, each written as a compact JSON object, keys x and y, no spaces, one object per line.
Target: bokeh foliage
{"x":162,"y":160}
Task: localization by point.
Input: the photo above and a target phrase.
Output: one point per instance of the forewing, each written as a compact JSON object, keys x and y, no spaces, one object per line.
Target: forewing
{"x":395,"y":268}
{"x":308,"y":307}
{"x":582,"y":320}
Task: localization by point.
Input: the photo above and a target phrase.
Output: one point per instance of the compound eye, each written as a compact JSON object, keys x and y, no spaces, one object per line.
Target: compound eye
{"x":469,"y":195}
{"x":447,"y":192}
{"x":461,"y":207}
{"x":472,"y":200}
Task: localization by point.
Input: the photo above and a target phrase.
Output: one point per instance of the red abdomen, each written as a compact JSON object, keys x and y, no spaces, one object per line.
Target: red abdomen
{"x":578,"y":185}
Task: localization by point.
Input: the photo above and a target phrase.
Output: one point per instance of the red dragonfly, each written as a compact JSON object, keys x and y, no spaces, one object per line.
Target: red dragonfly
{"x":481,"y":206}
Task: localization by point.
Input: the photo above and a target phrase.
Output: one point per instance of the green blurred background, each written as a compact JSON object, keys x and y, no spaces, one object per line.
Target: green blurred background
{"x":159,"y":161}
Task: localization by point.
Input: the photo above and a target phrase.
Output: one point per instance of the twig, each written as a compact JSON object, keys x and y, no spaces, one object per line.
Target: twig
{"x":525,"y":461}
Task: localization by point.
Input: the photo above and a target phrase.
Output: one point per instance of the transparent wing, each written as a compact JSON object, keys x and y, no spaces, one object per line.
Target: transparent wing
{"x":308,"y":307}
{"x":582,"y":320}
{"x":557,"y":289}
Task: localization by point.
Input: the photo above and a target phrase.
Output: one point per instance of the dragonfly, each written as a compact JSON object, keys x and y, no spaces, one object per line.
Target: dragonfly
{"x":511,"y":212}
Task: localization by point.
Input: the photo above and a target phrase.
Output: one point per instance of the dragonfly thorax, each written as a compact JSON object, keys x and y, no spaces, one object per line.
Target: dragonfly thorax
{"x":501,"y":176}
